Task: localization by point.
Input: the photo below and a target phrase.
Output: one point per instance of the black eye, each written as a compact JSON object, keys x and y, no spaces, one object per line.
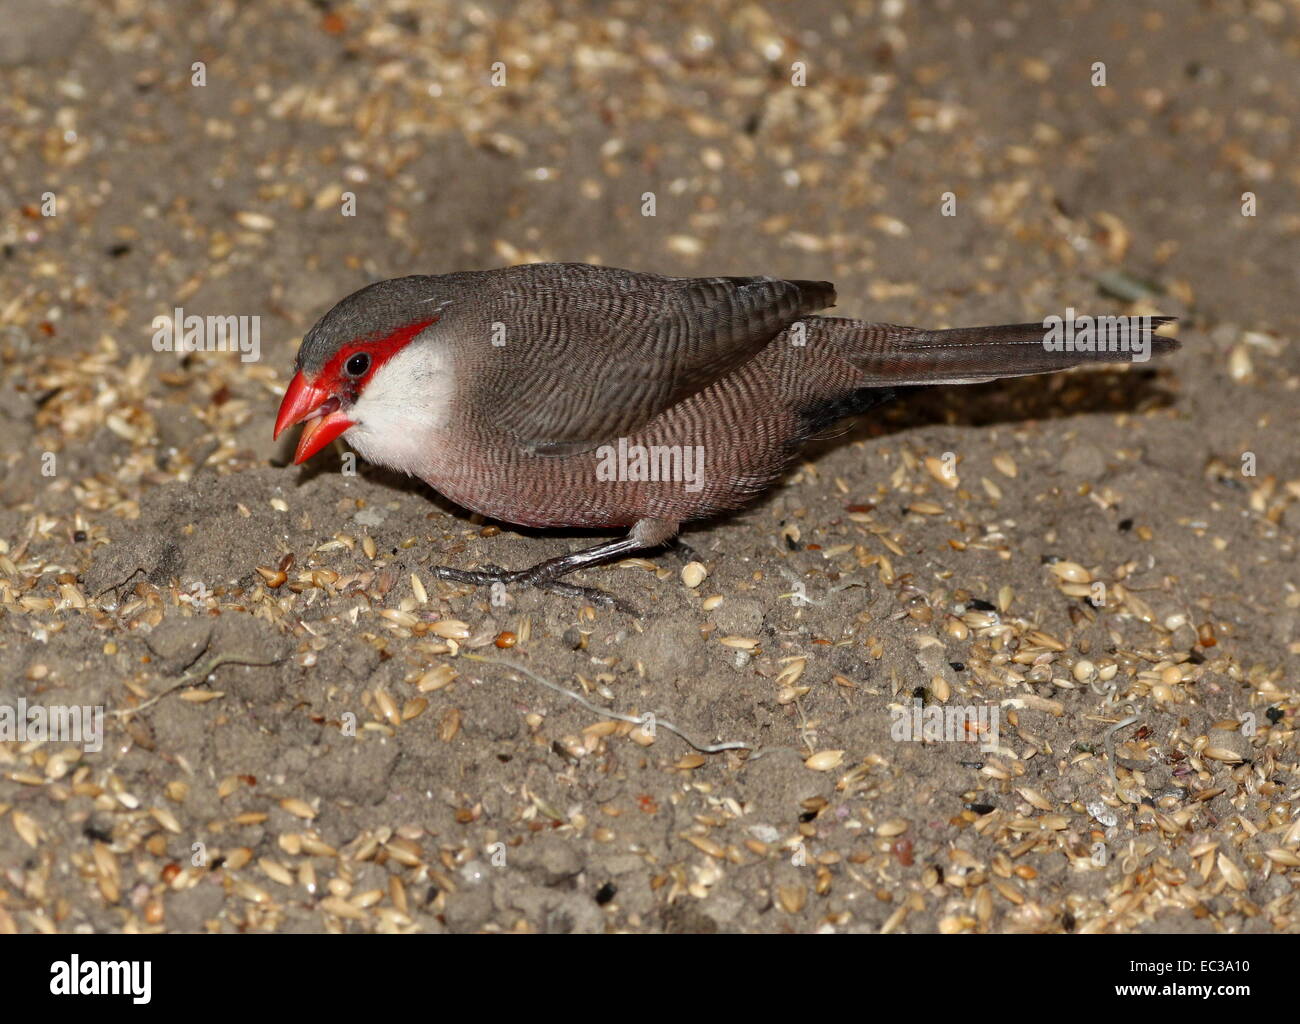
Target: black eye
{"x":358,"y":364}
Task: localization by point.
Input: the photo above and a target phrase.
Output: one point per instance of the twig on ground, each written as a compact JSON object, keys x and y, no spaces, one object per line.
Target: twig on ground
{"x":523,"y":670}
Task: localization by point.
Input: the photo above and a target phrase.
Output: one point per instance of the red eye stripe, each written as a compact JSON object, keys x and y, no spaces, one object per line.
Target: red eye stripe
{"x":380,"y":351}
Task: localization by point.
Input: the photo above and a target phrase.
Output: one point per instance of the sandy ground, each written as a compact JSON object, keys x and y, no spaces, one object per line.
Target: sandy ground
{"x":343,"y":744}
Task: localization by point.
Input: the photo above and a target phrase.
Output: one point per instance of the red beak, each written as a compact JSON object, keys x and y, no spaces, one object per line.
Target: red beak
{"x":317,"y":410}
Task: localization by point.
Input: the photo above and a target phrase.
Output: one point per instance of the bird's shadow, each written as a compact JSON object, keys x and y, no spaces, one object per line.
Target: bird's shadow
{"x":1015,"y":400}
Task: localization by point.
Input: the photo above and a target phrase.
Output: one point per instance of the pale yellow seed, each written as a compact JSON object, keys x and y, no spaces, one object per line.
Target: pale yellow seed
{"x":791,"y":897}
{"x":943,"y":470}
{"x":693,"y":574}
{"x":1231,"y":873}
{"x":825,"y":760}
{"x":1071,"y":572}
{"x":298,"y":808}
{"x":436,"y":678}
{"x":926,"y":508}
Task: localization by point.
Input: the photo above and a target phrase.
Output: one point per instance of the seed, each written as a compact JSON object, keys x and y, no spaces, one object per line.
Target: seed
{"x":1205,"y":635}
{"x":790,"y":674}
{"x":926,"y":508}
{"x":824,"y":760}
{"x":254,"y":221}
{"x":943,"y":470}
{"x":450,"y":629}
{"x":1222,"y":754}
{"x":413,"y":708}
{"x":279,"y":504}
{"x":693,"y":574}
{"x":387,"y":706}
{"x":506,"y":639}
{"x":273,"y":577}
{"x":298,"y":808}
{"x":892,"y":827}
{"x":940,"y":688}
{"x":340,"y":907}
{"x":708,"y":846}
{"x":436,"y":678}
{"x":1083,"y":670}
{"x":275,"y":871}
{"x":791,"y":897}
{"x":742,"y":643}
{"x":1042,"y":639}
{"x":26,"y":827}
{"x":1231,"y":873}
{"x":1005,"y":465}
{"x":417,"y":588}
{"x":166,"y":819}
{"x":1071,"y":572}
{"x":368,"y":546}
{"x":238,"y":857}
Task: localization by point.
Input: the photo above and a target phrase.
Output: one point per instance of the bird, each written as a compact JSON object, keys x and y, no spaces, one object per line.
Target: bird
{"x":563,"y":395}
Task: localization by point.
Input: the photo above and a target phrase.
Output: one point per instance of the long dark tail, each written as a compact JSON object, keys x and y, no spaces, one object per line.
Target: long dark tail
{"x":891,"y":356}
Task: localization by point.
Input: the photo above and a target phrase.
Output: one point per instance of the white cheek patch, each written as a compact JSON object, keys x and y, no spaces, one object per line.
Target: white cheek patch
{"x":403,"y":409}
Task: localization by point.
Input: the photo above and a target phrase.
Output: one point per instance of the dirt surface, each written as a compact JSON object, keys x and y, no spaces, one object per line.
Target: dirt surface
{"x":340,"y":742}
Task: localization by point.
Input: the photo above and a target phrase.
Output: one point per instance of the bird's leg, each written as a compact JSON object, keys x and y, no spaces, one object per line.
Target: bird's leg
{"x":647,"y":533}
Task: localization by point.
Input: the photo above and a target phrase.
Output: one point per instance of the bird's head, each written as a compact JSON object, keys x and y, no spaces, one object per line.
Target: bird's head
{"x":358,"y":367}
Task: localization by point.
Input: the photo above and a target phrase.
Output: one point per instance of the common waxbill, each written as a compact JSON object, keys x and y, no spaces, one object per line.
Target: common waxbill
{"x":568,"y":395}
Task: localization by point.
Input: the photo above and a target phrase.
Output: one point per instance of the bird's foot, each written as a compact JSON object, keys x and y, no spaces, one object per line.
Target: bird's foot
{"x":494,"y":576}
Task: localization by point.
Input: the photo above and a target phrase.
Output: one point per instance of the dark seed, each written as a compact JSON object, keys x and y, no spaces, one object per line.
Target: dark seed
{"x":957,"y":666}
{"x":982,"y":606}
{"x":981,"y":808}
{"x":1274,"y":714}
{"x":606,"y":893}
{"x":1125,"y":525}
{"x":79,"y":537}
